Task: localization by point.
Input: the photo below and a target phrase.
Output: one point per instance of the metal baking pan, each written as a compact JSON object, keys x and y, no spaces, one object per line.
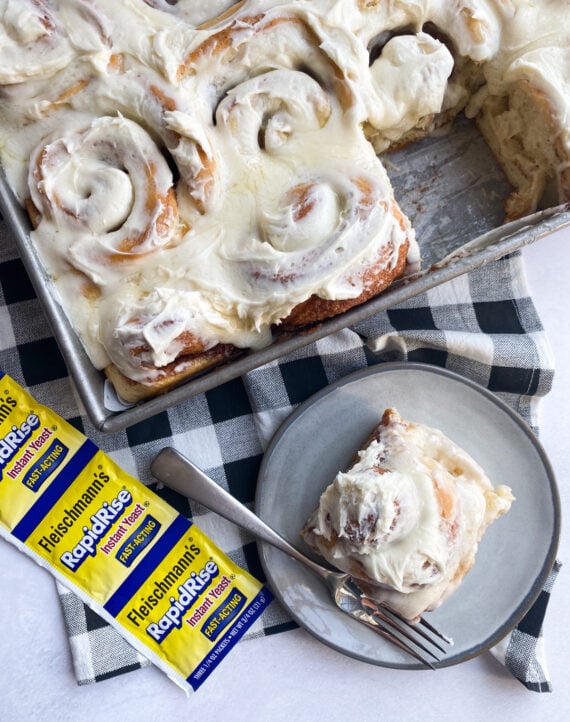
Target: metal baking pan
{"x":453,"y":192}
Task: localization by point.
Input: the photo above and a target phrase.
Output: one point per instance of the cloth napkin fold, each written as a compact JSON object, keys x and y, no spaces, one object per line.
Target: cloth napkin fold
{"x":482,"y":325}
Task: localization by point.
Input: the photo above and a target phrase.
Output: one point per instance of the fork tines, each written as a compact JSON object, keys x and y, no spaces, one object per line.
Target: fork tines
{"x":420,"y":639}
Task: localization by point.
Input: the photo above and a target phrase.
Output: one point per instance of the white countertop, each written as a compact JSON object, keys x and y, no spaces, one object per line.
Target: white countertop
{"x":290,"y":675}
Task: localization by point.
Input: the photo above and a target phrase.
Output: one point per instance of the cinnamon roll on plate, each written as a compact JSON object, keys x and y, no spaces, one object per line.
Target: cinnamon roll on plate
{"x":406,"y":518}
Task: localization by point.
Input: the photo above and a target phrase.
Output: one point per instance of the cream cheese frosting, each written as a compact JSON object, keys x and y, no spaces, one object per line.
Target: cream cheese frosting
{"x":239,"y":176}
{"x":408,"y":515}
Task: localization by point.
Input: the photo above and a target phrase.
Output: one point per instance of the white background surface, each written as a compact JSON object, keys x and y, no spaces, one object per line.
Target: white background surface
{"x":290,"y":675}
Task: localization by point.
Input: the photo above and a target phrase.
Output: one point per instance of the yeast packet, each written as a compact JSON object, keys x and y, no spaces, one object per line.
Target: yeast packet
{"x":144,"y":568}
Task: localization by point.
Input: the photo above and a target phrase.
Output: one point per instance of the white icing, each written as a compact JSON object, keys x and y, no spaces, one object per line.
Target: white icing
{"x":410,"y":80}
{"x":31,"y":42}
{"x":93,"y":186}
{"x":260,"y":112}
{"x":410,"y":512}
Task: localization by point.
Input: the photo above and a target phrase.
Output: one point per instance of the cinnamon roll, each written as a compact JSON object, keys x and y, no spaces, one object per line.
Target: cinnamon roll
{"x":32,"y":41}
{"x":246,"y":45}
{"x":410,"y":79}
{"x":38,"y":38}
{"x":204,"y":176}
{"x":509,"y":72}
{"x":107,"y":190}
{"x":344,"y":231}
{"x":407,"y":517}
{"x":142,"y":95}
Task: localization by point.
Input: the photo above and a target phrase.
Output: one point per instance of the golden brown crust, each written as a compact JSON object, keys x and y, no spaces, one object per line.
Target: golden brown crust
{"x":172,"y":375}
{"x":374,"y":280}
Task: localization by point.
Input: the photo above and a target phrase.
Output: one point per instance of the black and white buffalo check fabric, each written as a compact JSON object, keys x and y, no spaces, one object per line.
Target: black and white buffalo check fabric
{"x":482,"y":325}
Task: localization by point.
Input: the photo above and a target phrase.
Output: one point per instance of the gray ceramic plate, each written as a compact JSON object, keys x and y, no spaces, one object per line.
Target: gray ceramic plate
{"x":320,"y":437}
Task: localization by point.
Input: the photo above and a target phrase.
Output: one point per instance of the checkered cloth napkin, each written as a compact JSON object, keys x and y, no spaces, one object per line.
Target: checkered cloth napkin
{"x":482,"y":325}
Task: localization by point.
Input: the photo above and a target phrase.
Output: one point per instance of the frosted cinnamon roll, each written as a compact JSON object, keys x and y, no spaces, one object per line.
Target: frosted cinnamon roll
{"x":336,"y":240}
{"x":104,"y":192}
{"x":32,"y":41}
{"x":263,"y":113}
{"x":142,"y":95}
{"x":473,"y":27}
{"x":246,"y":45}
{"x":155,"y":338}
{"x":407,"y":517}
{"x":325,"y":236}
{"x":426,"y":60}
{"x":410,"y":80}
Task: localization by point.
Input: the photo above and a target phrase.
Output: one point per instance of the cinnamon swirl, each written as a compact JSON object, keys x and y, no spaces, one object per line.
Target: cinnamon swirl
{"x":32,"y":41}
{"x":108,"y":184}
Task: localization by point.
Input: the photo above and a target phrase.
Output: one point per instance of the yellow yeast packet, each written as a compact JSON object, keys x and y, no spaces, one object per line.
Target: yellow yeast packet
{"x":147,"y":570}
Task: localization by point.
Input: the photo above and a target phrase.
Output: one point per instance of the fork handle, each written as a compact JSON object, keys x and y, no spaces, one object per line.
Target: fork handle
{"x":180,"y":474}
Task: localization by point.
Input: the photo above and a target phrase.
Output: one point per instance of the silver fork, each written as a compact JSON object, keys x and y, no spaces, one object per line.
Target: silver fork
{"x":421,"y":639}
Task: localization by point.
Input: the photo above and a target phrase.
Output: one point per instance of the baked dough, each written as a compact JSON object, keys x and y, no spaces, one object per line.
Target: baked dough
{"x":406,"y":518}
{"x":199,"y":184}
